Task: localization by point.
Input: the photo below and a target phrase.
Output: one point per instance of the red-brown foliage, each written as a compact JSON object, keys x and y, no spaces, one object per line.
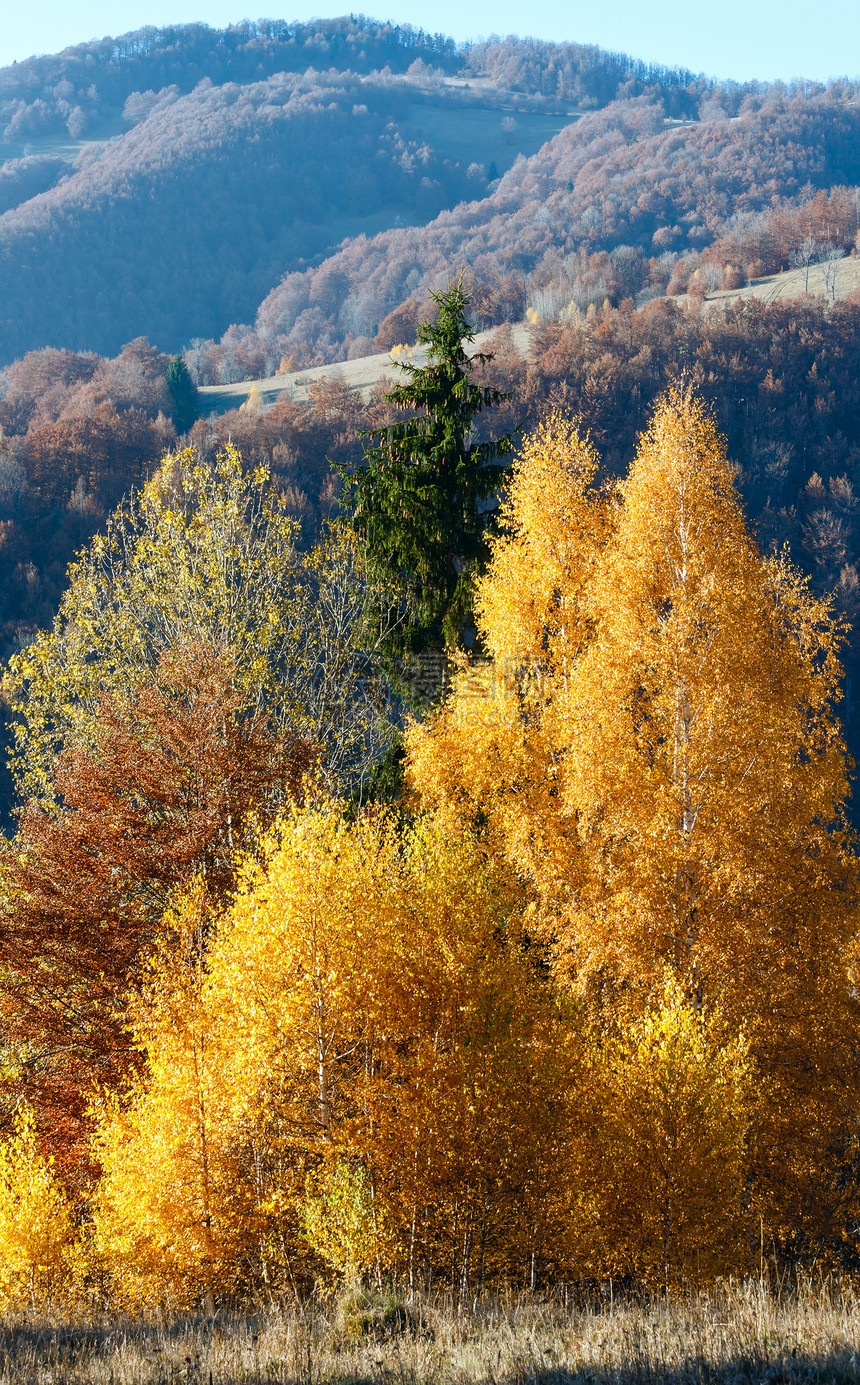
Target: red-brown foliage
{"x":162,"y":797}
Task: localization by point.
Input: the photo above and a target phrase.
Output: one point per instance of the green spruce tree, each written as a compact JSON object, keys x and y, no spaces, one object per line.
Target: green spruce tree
{"x":420,"y":502}
{"x":183,"y":394}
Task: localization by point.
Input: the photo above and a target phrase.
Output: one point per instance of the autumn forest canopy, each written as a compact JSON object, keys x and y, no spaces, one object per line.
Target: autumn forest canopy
{"x":573,"y":995}
{"x":430,"y":857}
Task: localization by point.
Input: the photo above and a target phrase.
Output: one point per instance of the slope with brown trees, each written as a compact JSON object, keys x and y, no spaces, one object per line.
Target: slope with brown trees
{"x":620,"y":181}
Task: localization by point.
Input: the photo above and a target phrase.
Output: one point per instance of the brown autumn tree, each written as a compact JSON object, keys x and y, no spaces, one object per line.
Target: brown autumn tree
{"x":163,"y":796}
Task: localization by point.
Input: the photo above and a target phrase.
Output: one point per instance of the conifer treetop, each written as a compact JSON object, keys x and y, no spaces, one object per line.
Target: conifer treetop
{"x":421,"y":501}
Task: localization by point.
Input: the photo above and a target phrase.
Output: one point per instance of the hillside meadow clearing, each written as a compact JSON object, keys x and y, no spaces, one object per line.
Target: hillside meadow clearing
{"x":791,"y":284}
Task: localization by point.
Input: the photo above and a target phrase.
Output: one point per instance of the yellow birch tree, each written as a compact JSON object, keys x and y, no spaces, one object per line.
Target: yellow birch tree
{"x":37,"y":1233}
{"x":670,"y":1147}
{"x":673,"y":785}
{"x":173,"y":1213}
{"x":204,"y":555}
{"x":379,"y":1069}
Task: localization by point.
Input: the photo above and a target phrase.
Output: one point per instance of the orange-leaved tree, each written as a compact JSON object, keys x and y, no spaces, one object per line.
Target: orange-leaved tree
{"x":368,"y":1067}
{"x":656,"y":747}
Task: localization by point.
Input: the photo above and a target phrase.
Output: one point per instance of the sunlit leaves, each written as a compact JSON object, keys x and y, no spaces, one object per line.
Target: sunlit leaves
{"x":368,"y":1068}
{"x":206,"y":554}
{"x":670,"y":1180}
{"x":654,"y":747}
{"x":36,"y":1227}
{"x":202,"y":553}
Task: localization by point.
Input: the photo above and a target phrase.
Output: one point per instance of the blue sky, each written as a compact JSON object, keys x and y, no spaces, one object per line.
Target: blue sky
{"x":737,"y":38}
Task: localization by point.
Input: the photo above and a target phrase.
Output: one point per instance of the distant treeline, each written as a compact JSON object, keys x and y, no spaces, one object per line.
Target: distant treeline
{"x":82,"y":85}
{"x":96,"y":78}
{"x":85,"y":83}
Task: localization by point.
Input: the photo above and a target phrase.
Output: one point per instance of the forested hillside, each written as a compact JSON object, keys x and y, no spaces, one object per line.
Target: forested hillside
{"x":97,"y":78}
{"x":185,"y":171}
{"x":236,"y":183}
{"x":428,"y":864}
{"x":618,"y":181}
{"x":251,"y":152}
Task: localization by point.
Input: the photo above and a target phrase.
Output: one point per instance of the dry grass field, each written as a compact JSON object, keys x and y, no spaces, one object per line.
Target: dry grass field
{"x":361,"y":374}
{"x":792,"y":283}
{"x":743,"y":1332}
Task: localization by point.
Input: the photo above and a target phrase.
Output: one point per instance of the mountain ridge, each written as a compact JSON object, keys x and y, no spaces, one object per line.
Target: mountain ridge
{"x":164,"y":183}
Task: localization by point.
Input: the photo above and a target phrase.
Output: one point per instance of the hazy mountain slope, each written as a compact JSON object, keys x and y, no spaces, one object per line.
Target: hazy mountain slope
{"x":620,"y":177}
{"x":253,"y":150}
{"x":88,"y":84}
{"x":254,"y":155}
{"x":187,"y":221}
{"x":83,"y":87}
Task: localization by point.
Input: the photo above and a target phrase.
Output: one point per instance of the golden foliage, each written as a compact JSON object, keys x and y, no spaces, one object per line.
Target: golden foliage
{"x":36,"y":1227}
{"x":202,"y":554}
{"x":172,"y":1211}
{"x":495,"y":748}
{"x":654,"y":748}
{"x":367,"y":1027}
{"x":340,"y":1222}
{"x":670,"y":1143}
{"x":592,"y":1009}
